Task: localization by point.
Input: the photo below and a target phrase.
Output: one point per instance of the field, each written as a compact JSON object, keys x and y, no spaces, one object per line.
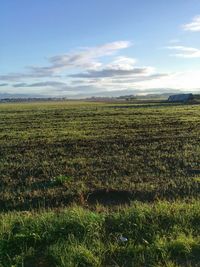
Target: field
{"x":85,"y":173}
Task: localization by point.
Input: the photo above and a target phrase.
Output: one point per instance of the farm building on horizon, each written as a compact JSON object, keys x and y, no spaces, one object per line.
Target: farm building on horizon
{"x":181,"y":98}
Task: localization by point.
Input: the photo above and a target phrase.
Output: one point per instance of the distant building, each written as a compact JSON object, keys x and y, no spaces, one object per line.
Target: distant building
{"x":184,"y":98}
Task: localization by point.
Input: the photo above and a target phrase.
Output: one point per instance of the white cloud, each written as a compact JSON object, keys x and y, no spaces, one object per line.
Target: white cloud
{"x":112,"y":72}
{"x":122,"y":63}
{"x":83,"y":72}
{"x":194,"y":25}
{"x":119,"y":67}
{"x":186,"y":81}
{"x":54,"y":84}
{"x":106,"y":49}
{"x":87,"y":58}
{"x":185,"y":51}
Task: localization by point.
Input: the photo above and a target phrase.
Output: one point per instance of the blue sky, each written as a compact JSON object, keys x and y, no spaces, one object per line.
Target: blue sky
{"x":81,"y":47}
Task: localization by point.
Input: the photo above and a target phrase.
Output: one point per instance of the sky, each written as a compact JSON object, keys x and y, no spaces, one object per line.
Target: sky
{"x":66,"y":48}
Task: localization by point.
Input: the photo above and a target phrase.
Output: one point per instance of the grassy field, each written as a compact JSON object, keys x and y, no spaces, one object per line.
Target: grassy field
{"x":55,"y":153}
{"x":129,"y":170}
{"x":162,"y":234}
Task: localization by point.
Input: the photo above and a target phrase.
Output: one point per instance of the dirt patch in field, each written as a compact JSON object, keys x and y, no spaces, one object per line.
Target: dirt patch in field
{"x":40,"y":261}
{"x":109,"y":197}
{"x":194,"y":171}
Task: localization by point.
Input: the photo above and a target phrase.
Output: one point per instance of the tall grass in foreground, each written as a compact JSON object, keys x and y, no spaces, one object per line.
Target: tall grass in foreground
{"x":159,"y":234}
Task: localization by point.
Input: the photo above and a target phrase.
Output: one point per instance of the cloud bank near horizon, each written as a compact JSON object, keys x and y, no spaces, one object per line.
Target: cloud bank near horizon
{"x":89,"y":70}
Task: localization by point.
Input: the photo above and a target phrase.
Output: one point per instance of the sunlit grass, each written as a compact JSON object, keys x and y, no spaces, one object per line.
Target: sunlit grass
{"x":160,"y":234}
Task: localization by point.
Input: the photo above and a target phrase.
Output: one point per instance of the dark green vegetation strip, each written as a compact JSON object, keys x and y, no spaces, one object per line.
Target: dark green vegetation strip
{"x":159,"y":234}
{"x":55,"y":153}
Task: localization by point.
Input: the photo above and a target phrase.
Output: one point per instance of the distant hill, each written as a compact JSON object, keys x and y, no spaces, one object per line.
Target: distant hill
{"x":14,"y":96}
{"x":162,"y":93}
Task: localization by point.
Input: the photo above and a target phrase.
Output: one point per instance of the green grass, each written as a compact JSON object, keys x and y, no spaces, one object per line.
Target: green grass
{"x":159,"y":234}
{"x":61,"y":179}
{"x":82,"y":155}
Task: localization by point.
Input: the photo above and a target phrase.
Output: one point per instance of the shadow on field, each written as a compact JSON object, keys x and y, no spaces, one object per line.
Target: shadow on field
{"x":109,"y":197}
{"x":148,"y":105}
{"x":40,"y":261}
{"x":105,"y":197}
{"x":116,"y":197}
{"x":194,"y":171}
